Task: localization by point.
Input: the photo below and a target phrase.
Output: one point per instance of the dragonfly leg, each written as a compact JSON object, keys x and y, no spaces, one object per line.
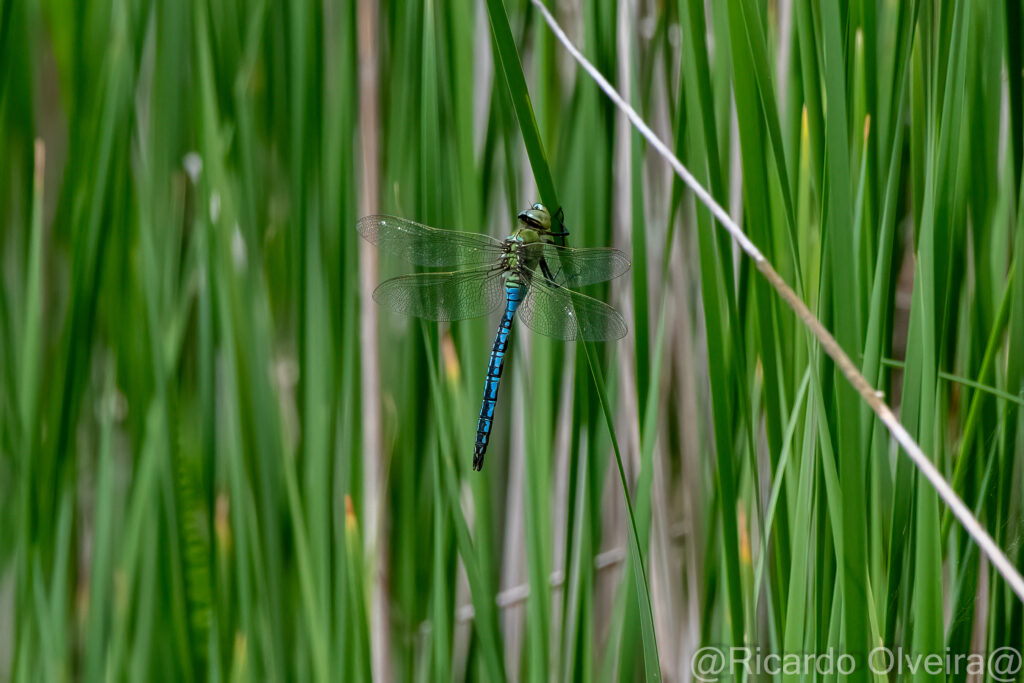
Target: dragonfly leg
{"x":559,"y":218}
{"x":546,"y":270}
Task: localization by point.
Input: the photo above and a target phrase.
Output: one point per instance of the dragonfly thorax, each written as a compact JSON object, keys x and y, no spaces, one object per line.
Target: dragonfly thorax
{"x":518,"y":259}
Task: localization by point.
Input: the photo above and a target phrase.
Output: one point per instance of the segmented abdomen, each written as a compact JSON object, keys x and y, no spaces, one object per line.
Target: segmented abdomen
{"x":514,"y":293}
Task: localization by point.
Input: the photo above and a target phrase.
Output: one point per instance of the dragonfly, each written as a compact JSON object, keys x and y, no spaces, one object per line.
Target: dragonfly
{"x":474,"y":274}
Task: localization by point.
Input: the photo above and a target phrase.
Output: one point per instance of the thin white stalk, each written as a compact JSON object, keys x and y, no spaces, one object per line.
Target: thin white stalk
{"x":374,"y":510}
{"x":518,"y":594}
{"x":872,"y":397}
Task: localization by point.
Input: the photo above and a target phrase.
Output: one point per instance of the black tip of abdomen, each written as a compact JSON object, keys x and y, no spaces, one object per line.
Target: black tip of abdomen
{"x":478,"y":457}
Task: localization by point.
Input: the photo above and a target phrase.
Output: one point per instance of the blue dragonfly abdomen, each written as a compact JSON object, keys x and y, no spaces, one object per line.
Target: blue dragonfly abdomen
{"x":514,"y":293}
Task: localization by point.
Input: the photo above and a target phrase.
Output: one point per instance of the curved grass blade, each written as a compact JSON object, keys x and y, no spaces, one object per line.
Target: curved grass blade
{"x":512,"y":69}
{"x":653,"y":668}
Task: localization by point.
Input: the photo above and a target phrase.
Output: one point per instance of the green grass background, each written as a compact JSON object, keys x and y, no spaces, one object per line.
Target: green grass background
{"x":219,"y":461}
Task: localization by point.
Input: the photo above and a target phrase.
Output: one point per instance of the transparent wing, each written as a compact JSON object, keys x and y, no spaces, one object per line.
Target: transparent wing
{"x":578,"y":267}
{"x":423,"y":245}
{"x":563,"y":314}
{"x":443,"y":296}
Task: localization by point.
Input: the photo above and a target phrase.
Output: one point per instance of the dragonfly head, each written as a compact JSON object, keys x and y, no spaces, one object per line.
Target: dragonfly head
{"x":536,"y":217}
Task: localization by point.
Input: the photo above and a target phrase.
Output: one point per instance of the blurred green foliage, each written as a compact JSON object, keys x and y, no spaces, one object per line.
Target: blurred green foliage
{"x":199,"y":478}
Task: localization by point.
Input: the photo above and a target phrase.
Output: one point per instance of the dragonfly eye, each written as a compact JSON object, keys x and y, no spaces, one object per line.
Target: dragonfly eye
{"x":537,"y":217}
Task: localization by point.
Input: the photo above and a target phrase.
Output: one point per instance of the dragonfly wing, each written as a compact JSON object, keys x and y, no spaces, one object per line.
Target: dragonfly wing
{"x":578,"y":267}
{"x":423,"y":245}
{"x":564,"y":314}
{"x":443,"y":296}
